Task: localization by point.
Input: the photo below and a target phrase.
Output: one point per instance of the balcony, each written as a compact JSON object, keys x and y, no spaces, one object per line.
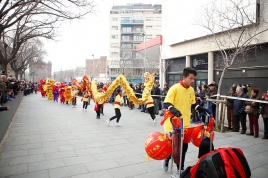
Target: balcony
{"x":131,"y":32}
{"x":131,"y":21}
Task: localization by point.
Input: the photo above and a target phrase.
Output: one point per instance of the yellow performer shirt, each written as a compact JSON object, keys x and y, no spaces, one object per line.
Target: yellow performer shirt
{"x":182,"y":99}
{"x":150,"y":102}
{"x":86,"y":97}
{"x":117,"y":101}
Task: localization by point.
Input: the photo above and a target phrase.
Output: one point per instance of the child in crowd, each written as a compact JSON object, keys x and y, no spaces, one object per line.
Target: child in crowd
{"x":9,"y":95}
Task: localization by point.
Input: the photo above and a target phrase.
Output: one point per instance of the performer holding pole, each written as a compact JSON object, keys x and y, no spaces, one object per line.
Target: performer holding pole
{"x":150,"y":107}
{"x":179,"y":101}
{"x":116,"y":108}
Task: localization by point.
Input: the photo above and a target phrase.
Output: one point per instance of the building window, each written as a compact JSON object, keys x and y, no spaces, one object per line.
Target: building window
{"x":149,"y":27}
{"x":126,"y":46}
{"x":149,"y":18}
{"x":113,"y":45}
{"x":114,"y":36}
{"x":158,"y":18}
{"x":114,"y":19}
{"x":126,"y":29}
{"x":148,"y":36}
{"x":114,"y":54}
{"x":138,"y":38}
{"x":126,"y":38}
{"x":114,"y":27}
{"x":158,"y":27}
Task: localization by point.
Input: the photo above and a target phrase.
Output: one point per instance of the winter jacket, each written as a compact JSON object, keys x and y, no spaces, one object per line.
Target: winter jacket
{"x":238,"y":105}
{"x":265,"y":110}
{"x":254,"y":105}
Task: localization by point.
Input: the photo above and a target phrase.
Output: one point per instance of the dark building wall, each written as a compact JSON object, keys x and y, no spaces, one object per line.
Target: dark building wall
{"x":252,"y":69}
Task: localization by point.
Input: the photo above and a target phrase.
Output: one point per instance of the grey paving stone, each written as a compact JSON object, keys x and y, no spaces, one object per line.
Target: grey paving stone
{"x":76,"y":141}
{"x":12,"y":170}
{"x":43,"y":150}
{"x":259,"y":172}
{"x":55,"y":143}
{"x":27,"y":159}
{"x":42,"y":165}
{"x":67,"y":171}
{"x":7,"y":148}
{"x":113,"y":148}
{"x":153,"y":174}
{"x":27,"y":146}
{"x":71,"y":147}
{"x":130,"y":160}
{"x":98,"y":174}
{"x":16,"y":142}
{"x":4,"y":162}
{"x":10,"y":154}
{"x":132,"y":151}
{"x":37,"y":140}
{"x":88,"y":151}
{"x":101,"y":165}
{"x":79,"y":160}
{"x":96,"y":144}
{"x":37,"y":174}
{"x":108,"y":155}
{"x":126,"y":171}
{"x":58,"y":155}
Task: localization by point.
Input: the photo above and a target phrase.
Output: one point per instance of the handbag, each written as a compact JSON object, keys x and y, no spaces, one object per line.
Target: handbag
{"x":248,"y":109}
{"x":260,"y":111}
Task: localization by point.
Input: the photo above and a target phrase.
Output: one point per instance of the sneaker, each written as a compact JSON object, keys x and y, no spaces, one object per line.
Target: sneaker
{"x":108,"y":122}
{"x":179,"y":173}
{"x":154,"y":121}
{"x":118,"y":125}
{"x":165,"y":165}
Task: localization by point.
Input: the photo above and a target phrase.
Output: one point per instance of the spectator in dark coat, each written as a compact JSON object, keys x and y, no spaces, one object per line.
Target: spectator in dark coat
{"x":156,"y":99}
{"x":238,"y":111}
{"x":138,"y":93}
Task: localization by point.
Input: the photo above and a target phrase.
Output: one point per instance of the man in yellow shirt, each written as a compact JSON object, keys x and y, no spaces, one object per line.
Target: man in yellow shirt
{"x":179,"y":100}
{"x":116,"y":108}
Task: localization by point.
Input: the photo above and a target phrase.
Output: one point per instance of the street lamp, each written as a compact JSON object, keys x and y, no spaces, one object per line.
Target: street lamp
{"x":144,"y":60}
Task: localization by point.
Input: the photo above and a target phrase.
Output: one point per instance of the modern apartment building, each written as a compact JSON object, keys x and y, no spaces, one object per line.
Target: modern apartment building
{"x":130,"y":25}
{"x":187,"y":44}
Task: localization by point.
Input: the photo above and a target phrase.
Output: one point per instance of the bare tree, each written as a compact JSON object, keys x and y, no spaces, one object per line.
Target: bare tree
{"x":11,"y":12}
{"x":24,"y":20}
{"x":26,"y":29}
{"x":235,"y":27}
{"x":30,"y":53}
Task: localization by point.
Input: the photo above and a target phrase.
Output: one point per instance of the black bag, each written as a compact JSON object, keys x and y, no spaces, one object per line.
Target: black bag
{"x":204,"y":147}
{"x":212,"y":166}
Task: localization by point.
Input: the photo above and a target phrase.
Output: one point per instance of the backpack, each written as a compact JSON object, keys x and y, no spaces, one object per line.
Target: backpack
{"x":220,"y":163}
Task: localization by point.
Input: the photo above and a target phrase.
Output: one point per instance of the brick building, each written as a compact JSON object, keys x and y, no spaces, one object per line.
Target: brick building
{"x":96,"y":69}
{"x":37,"y":72}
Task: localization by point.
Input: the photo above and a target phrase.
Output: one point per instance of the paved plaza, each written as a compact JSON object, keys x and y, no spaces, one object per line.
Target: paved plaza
{"x":51,"y":140}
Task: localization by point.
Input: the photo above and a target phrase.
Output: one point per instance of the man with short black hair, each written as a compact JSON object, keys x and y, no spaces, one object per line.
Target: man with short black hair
{"x":180,"y":99}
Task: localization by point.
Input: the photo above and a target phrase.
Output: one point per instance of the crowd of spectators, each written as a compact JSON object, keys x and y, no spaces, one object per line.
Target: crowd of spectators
{"x":10,"y":87}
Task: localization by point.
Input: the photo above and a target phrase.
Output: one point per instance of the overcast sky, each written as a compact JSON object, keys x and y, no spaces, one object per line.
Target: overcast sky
{"x":79,"y":39}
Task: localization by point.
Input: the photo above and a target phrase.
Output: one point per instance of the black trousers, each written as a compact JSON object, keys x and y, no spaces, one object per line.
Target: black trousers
{"x":151,"y":112}
{"x":99,"y":110}
{"x":117,"y":115}
{"x":85,"y":103}
{"x":74,"y":101}
{"x":184,"y":150}
{"x":242,"y":120}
